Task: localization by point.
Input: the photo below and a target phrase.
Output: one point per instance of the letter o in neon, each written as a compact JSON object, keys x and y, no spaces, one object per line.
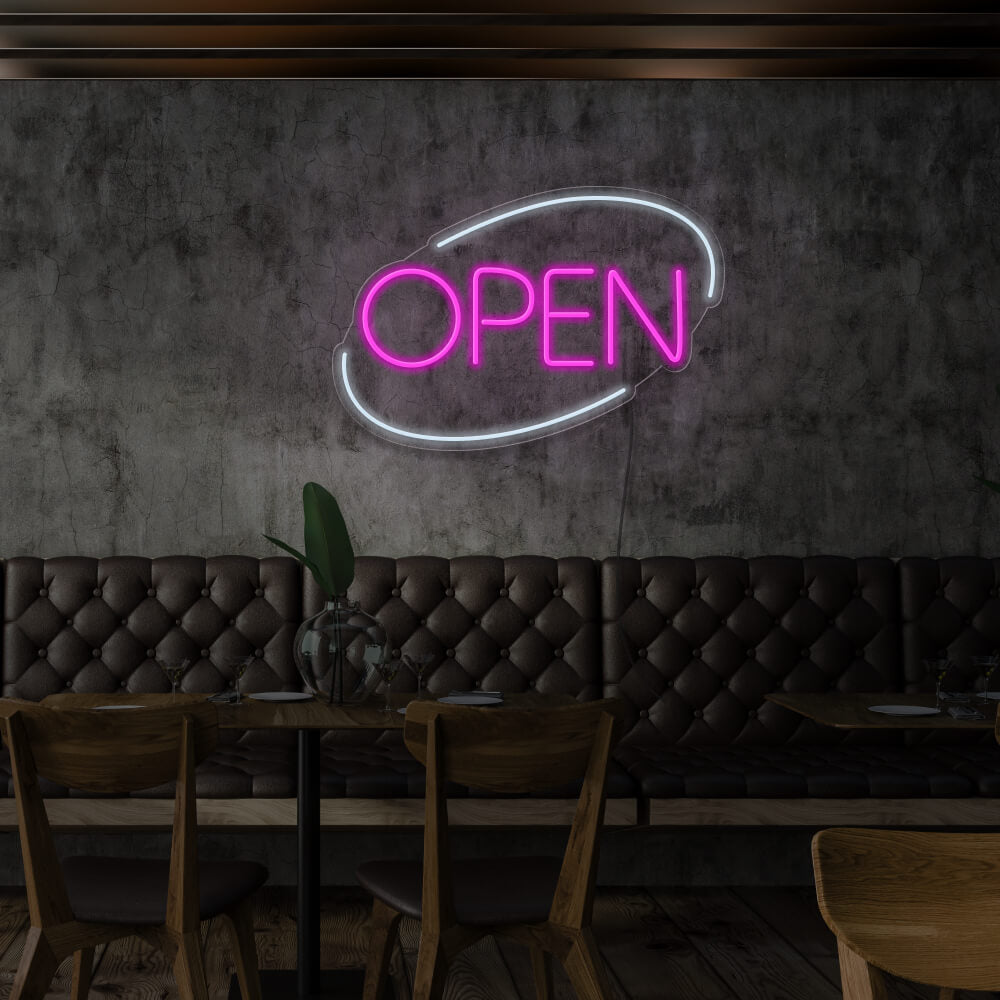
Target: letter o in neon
{"x":426,"y":275}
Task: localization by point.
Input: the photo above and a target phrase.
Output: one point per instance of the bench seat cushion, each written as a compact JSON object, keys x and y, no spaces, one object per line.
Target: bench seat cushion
{"x":389,"y":771}
{"x":802,"y":771}
{"x":979,"y":763}
{"x":235,"y":771}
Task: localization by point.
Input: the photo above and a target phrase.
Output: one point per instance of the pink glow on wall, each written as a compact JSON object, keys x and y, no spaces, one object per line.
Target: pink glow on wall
{"x":549,"y":314}
{"x":675,"y":356}
{"x":419,"y":273}
{"x":480,"y":321}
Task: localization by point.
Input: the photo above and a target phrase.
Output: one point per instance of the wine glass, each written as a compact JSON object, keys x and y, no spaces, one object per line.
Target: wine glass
{"x":387,"y":670}
{"x":985,"y":665}
{"x":419,"y":663}
{"x":239,"y":666}
{"x":938,"y":670}
{"x":175,"y":670}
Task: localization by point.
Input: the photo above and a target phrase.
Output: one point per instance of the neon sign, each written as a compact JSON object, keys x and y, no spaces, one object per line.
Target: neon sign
{"x":674,"y":356}
{"x":520,"y":342}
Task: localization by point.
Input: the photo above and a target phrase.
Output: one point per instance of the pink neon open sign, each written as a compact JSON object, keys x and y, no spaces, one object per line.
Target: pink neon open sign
{"x":479,"y":339}
{"x":618,"y":295}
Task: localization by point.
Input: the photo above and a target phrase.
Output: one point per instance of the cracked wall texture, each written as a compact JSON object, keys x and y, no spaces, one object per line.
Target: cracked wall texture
{"x":178,"y":260}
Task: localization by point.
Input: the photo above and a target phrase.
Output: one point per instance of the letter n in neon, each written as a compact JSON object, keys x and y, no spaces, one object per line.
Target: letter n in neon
{"x":675,"y":356}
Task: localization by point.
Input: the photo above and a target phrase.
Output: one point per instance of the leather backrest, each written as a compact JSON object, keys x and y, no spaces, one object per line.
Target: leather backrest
{"x":516,"y":624}
{"x":694,"y":645}
{"x":97,"y":625}
{"x":950,"y":609}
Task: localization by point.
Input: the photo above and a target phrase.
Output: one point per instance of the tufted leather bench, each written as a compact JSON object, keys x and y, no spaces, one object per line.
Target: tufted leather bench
{"x":97,"y":625}
{"x":692,"y":645}
{"x":527,"y":623}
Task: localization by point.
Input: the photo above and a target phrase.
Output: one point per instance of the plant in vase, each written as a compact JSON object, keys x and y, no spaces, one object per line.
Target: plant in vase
{"x":334,"y":648}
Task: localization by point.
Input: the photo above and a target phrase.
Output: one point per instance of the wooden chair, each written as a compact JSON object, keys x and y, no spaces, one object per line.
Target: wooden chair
{"x":923,"y":906}
{"x":79,"y":903}
{"x":545,"y":903}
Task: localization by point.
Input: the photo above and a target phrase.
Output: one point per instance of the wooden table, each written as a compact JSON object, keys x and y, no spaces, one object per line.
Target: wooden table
{"x":309,"y":718}
{"x":850,"y":711}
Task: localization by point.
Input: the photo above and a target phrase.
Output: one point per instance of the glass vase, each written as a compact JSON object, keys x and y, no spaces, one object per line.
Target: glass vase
{"x":338,"y":652}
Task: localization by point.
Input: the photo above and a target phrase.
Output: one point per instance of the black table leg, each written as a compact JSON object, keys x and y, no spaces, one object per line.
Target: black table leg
{"x":308,"y":982}
{"x":308,"y":863}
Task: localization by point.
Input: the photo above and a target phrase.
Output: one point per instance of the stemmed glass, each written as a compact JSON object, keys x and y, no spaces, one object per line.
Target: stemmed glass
{"x":938,"y":669}
{"x":387,"y":670}
{"x":239,"y":666}
{"x":175,"y":671}
{"x":419,"y":663}
{"x":985,"y":665}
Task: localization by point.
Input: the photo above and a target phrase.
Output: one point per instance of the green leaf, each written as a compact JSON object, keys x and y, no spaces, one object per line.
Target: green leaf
{"x":323,"y":583}
{"x":990,"y":483}
{"x":328,"y":543}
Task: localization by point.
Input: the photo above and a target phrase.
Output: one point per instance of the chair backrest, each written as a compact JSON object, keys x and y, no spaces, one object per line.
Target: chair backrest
{"x":509,"y":749}
{"x":111,"y":751}
{"x":115,"y":751}
{"x":922,"y":906}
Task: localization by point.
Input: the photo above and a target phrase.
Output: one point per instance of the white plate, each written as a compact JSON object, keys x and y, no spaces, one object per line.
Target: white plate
{"x":471,"y":699}
{"x":113,"y":708}
{"x":904,"y":710}
{"x":281,"y":696}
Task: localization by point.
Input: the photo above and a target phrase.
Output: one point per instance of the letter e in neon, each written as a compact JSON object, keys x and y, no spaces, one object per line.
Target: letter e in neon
{"x":549,"y":314}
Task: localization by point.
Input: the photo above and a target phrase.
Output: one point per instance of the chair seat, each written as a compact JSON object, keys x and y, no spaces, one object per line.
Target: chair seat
{"x":487,"y":891}
{"x":134,"y":891}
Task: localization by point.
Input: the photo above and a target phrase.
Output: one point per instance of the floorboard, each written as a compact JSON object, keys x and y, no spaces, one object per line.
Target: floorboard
{"x":685,"y":944}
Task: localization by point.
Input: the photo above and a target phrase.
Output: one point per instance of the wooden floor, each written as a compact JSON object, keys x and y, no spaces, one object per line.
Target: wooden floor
{"x":659,"y":944}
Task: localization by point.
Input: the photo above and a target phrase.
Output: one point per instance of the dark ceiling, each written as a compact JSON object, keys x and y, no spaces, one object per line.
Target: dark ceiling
{"x":639,"y":39}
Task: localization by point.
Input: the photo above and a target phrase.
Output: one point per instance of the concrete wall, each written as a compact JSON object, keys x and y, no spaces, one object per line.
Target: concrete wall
{"x":178,"y":261}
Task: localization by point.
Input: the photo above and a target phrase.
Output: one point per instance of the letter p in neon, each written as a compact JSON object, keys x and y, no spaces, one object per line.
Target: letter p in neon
{"x":479,"y":321}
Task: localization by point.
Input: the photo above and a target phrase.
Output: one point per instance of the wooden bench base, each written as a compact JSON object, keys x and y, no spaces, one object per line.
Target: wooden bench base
{"x":824,"y":812}
{"x":66,"y":815}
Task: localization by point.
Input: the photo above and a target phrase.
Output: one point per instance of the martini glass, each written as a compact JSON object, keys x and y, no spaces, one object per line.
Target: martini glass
{"x":986,"y":665}
{"x":387,"y":670}
{"x":419,"y":663}
{"x":239,"y":666}
{"x":175,"y":671}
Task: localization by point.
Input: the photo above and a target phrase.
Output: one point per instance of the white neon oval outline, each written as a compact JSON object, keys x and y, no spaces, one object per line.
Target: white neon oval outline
{"x":470,"y":438}
{"x":616,"y":198}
